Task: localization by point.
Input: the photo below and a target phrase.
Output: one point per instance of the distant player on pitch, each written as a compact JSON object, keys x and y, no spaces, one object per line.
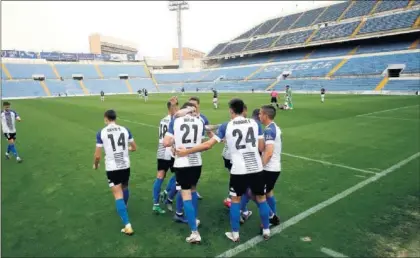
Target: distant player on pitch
{"x":102,"y":95}
{"x":116,"y":141}
{"x":322,"y":95}
{"x":215,"y":99}
{"x":8,"y":126}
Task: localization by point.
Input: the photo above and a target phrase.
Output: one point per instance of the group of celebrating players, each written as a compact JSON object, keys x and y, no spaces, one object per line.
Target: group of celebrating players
{"x":251,"y":154}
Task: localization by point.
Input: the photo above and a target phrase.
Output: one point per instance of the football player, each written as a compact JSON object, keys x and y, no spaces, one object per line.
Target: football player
{"x":8,"y":126}
{"x":116,"y":141}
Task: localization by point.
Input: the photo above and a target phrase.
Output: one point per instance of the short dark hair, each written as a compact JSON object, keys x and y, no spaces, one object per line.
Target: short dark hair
{"x":237,"y":106}
{"x":196,"y":99}
{"x":111,"y":115}
{"x":255,"y":114}
{"x":6,"y":103}
{"x":188,"y":104}
{"x":245,"y":107}
{"x":269,"y":110}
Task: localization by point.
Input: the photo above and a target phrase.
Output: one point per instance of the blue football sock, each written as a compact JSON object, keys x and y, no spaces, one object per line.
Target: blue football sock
{"x":194,"y":196}
{"x":190,"y":214}
{"x":170,"y":184}
{"x":244,"y":202}
{"x":271,"y":201}
{"x":126,"y":194}
{"x":179,"y":203}
{"x":264,"y":211}
{"x":122,"y":211}
{"x":172,"y":192}
{"x":8,"y":148}
{"x":235,"y":214}
{"x":13,"y":149}
{"x":156,"y":190}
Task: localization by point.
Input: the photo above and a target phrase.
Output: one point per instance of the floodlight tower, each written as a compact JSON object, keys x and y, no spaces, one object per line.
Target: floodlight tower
{"x":179,"y":6}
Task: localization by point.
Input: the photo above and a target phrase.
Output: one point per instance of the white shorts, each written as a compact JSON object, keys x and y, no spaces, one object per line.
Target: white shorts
{"x":214,"y":100}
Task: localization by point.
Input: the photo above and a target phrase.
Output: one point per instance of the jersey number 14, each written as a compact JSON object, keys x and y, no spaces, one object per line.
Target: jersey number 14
{"x":120,"y":142}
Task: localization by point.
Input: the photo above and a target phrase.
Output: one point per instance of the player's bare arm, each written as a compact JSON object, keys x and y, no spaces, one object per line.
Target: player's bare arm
{"x":97,"y":157}
{"x":261,"y":145}
{"x":168,"y":141}
{"x":185,"y":111}
{"x":133,"y":146}
{"x":182,"y":152}
{"x":268,"y":153}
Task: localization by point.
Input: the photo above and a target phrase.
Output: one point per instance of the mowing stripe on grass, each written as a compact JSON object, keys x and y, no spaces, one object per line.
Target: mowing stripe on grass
{"x":329,"y":163}
{"x":296,"y":219}
{"x":332,"y":253}
{"x":391,"y":118}
{"x":387,"y":110}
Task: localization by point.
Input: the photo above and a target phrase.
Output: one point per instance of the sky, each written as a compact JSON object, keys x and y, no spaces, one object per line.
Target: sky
{"x":65,"y":26}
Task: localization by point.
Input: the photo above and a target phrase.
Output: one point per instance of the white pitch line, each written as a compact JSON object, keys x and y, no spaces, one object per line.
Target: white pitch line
{"x":363,"y":176}
{"x":296,"y":219}
{"x":391,"y":118}
{"x":332,"y":253}
{"x":329,"y":163}
{"x":134,"y":122}
{"x":386,"y":110}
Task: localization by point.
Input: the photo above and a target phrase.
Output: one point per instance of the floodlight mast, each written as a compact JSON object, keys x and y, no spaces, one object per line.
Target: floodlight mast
{"x":179,"y":6}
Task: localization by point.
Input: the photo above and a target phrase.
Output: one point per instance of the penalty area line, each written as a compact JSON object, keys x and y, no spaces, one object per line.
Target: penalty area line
{"x":332,"y":253}
{"x":296,"y":219}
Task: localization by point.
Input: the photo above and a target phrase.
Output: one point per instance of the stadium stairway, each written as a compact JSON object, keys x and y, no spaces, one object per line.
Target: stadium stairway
{"x":55,"y":71}
{"x":345,"y":11}
{"x":410,"y":4}
{"x":320,"y":15}
{"x":382,"y":84}
{"x":358,"y":28}
{"x":130,"y":89}
{"x":417,"y":23}
{"x":98,"y":71}
{"x":414,"y":44}
{"x":308,"y":55}
{"x":311,"y":36}
{"x":6,"y":71}
{"x":378,"y":2}
{"x":339,"y":65}
{"x":83,"y":87}
{"x":45,"y":87}
{"x":259,"y":69}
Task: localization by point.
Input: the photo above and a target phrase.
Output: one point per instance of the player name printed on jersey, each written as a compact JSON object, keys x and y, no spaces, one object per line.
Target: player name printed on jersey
{"x":241,"y":135}
{"x":163,"y":152}
{"x":187,"y":132}
{"x":272,"y":135}
{"x":115,"y":139}
{"x":8,"y":121}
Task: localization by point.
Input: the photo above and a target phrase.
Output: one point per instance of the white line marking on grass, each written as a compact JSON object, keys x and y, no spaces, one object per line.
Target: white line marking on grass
{"x":386,"y":110}
{"x":329,"y":163}
{"x":363,"y":176}
{"x":296,"y":219}
{"x":391,"y":118}
{"x":134,"y":122}
{"x":332,"y":253}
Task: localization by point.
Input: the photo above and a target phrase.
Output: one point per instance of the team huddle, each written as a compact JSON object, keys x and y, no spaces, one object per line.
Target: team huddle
{"x":251,"y":154}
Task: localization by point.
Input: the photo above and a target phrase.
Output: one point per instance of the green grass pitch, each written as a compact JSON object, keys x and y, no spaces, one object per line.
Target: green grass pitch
{"x":55,"y":205}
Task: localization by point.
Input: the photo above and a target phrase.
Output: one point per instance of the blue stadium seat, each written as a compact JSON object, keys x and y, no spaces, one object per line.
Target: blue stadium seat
{"x":336,"y":31}
{"x":71,"y":87}
{"x":248,"y":33}
{"x":234,"y":48}
{"x":390,"y":22}
{"x":238,"y":73}
{"x":338,"y":84}
{"x":25,"y":71}
{"x":172,"y":77}
{"x":261,"y":43}
{"x":294,"y":38}
{"x":359,"y":8}
{"x":333,"y":12}
{"x":27,"y":88}
{"x":286,"y":23}
{"x":308,"y":18}
{"x":331,"y":52}
{"x":383,"y":47}
{"x":112,"y":71}
{"x":304,"y":69}
{"x":267,"y":26}
{"x":403,"y":85}
{"x":390,"y":5}
{"x":217,"y":49}
{"x":107,"y":85}
{"x":138,"y":83}
{"x":375,"y":65}
{"x":67,"y":70}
